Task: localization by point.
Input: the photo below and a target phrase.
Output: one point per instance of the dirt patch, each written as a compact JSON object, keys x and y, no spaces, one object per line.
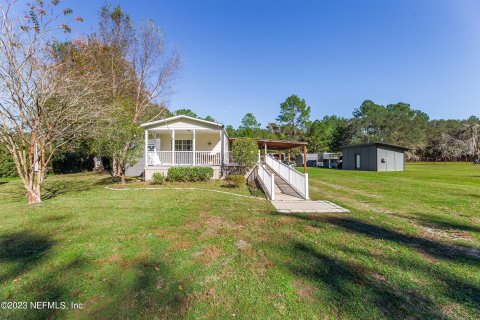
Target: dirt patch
{"x":115,"y":258}
{"x":142,"y":258}
{"x":454,"y":311}
{"x":304,"y":290}
{"x":208,"y":254}
{"x":212,"y":225}
{"x":311,"y":229}
{"x":287,"y":220}
{"x":449,"y":234}
{"x":379,"y":277}
{"x":182,"y":245}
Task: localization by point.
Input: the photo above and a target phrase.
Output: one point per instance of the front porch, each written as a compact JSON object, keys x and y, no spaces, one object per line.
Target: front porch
{"x":187,"y":158}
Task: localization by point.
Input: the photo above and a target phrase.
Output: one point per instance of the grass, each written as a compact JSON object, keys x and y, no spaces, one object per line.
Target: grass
{"x":409,"y":248}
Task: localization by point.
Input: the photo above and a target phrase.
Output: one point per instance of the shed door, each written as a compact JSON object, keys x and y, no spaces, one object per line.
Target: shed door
{"x":382,"y":160}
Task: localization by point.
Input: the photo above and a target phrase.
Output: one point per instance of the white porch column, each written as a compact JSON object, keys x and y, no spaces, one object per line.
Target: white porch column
{"x":146,"y":147}
{"x":193,"y":145}
{"x":222,"y":147}
{"x":173,"y":147}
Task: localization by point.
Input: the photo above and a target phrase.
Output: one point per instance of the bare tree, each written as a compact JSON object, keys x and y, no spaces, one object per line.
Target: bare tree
{"x":138,"y":73}
{"x":43,"y":103}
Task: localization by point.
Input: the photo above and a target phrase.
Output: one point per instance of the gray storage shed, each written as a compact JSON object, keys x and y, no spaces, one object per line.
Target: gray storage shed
{"x":374,"y":157}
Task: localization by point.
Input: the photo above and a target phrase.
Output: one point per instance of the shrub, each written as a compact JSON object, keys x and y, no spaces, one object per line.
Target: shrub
{"x":236,"y":180}
{"x":72,"y":162}
{"x":245,"y":152}
{"x":190,"y":173}
{"x":7,"y":165}
{"x":158,"y":178}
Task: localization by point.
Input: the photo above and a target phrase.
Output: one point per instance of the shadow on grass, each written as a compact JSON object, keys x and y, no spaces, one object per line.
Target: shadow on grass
{"x":459,"y":254}
{"x":154,"y":291}
{"x":22,"y":251}
{"x":354,"y":290}
{"x":228,"y":186}
{"x":3,"y":182}
{"x":462,"y":254}
{"x":453,"y":286}
{"x":445,"y":224}
{"x":135,"y":289}
{"x":57,"y":188}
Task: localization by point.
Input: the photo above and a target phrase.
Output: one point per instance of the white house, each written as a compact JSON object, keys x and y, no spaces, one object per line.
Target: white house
{"x":182,"y":141}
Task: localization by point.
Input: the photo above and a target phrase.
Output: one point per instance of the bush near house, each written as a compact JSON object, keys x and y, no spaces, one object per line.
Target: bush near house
{"x":190,"y":173}
{"x":158,"y":178}
{"x":235,"y":180}
{"x":245,"y":152}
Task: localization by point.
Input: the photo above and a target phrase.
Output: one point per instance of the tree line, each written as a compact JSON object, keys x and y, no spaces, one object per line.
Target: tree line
{"x":397,"y":124}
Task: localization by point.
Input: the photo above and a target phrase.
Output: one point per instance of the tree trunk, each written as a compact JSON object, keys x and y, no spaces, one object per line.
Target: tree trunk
{"x":121,"y":172}
{"x":98,"y":166}
{"x":34,"y":196}
{"x":115,"y":167}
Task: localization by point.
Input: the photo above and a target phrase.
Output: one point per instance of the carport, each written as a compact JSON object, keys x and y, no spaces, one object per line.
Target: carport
{"x":282,"y":145}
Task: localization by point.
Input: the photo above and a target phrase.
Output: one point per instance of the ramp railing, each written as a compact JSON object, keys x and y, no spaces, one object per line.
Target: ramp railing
{"x":267,"y":180}
{"x":296,"y":179}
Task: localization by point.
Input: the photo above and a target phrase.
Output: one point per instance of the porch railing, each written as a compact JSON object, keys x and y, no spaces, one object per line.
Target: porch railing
{"x":298,"y":181}
{"x":190,"y":158}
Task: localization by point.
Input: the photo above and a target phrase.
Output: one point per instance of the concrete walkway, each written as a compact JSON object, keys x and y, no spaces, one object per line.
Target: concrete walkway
{"x":291,"y":206}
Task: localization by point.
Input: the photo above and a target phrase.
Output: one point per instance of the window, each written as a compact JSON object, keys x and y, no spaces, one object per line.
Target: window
{"x":357,"y":161}
{"x":183,"y":145}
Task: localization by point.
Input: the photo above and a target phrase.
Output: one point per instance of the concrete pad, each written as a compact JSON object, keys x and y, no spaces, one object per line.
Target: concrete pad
{"x":307,"y":206}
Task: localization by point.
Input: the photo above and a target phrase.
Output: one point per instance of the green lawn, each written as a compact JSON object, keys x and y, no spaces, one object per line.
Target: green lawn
{"x":409,"y":248}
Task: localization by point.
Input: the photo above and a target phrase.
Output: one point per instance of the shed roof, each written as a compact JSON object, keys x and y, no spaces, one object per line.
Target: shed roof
{"x":277,"y":144}
{"x":377,"y":144}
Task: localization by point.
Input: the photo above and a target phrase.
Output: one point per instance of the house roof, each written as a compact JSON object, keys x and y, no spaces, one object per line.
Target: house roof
{"x":377,"y":144}
{"x":181,"y":116}
{"x":277,"y":144}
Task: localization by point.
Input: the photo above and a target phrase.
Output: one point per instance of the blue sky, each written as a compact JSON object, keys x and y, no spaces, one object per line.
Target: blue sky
{"x":248,"y":56}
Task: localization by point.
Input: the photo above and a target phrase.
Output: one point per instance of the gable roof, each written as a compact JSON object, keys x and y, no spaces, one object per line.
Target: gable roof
{"x":181,"y":116}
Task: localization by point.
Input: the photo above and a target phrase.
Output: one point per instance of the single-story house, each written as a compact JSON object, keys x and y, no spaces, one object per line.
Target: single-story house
{"x":182,"y":141}
{"x":374,"y":157}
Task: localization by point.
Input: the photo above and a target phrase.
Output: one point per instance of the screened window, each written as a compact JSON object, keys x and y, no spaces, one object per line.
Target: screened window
{"x":183,"y":145}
